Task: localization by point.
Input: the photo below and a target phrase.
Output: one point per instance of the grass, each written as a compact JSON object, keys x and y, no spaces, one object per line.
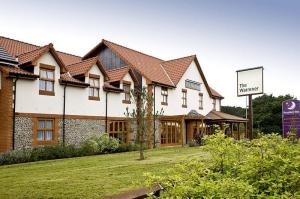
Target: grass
{"x":88,"y":177}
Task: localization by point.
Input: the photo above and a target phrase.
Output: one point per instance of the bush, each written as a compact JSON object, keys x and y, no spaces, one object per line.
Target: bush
{"x":92,"y":146}
{"x":261,"y":168}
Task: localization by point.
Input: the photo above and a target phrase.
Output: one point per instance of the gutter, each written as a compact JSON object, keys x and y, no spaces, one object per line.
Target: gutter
{"x":64,"y":115}
{"x":106,"y":95}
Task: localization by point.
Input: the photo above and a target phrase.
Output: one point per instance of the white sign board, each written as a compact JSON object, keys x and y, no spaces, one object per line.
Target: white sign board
{"x":250,"y":81}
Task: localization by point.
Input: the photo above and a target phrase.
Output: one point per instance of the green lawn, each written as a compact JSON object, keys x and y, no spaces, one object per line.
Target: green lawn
{"x":87,"y":177}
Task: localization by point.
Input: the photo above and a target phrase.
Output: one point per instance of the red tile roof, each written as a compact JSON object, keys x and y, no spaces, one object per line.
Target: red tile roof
{"x":176,"y":68}
{"x":84,"y":66}
{"x":111,"y":88}
{"x":117,"y":74}
{"x":32,"y":55}
{"x":67,"y":78}
{"x":147,"y":65}
{"x":215,"y":93}
{"x":16,"y":71}
{"x":15,"y":48}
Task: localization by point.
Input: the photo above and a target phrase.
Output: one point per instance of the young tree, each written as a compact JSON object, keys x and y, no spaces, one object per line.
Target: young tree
{"x":143,"y":101}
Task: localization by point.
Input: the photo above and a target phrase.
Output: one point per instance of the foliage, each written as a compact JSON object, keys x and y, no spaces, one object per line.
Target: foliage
{"x":261,"y":168}
{"x":143,"y":102}
{"x":267,"y":113}
{"x":92,"y":146}
{"x":234,"y":110}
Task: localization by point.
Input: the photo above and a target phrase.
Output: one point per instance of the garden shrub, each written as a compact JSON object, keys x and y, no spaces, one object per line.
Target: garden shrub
{"x":265,"y":167}
{"x":92,"y":146}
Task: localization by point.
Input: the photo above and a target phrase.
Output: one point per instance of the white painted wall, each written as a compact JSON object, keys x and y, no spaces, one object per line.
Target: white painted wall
{"x":174,"y":106}
{"x":77,"y":102}
{"x":77,"y":99}
{"x":115,"y":106}
{"x":28,"y":99}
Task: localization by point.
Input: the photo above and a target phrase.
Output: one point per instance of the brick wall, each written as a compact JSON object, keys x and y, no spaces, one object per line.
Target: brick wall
{"x":6,"y":113}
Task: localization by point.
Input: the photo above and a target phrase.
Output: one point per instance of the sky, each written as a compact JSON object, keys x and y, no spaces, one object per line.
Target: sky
{"x":226,"y":35}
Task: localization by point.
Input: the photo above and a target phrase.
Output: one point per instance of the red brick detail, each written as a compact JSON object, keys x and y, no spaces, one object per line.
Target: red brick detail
{"x":6,"y":113}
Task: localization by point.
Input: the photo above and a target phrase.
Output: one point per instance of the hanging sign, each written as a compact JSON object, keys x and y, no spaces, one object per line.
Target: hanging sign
{"x":250,"y":81}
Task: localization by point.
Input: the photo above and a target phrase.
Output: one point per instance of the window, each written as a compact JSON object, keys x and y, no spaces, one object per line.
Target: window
{"x":192,"y":85}
{"x":214,"y":104}
{"x":164,"y":94}
{"x":110,"y":60}
{"x":126,"y":88}
{"x":94,"y":87}
{"x":200,"y":100}
{"x":45,"y":129}
{"x":119,"y":130}
{"x":171,"y":133}
{"x":46,"y":82}
{"x":184,"y":98}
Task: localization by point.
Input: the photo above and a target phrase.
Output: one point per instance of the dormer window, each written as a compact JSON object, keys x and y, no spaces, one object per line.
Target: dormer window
{"x":46,"y":82}
{"x":126,"y":88}
{"x":94,"y":87}
{"x":214,"y":104}
{"x":164,"y":94}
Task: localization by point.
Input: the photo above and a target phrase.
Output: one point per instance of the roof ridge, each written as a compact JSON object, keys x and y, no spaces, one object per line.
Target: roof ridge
{"x":81,"y":61}
{"x":20,"y":41}
{"x":33,"y":50}
{"x":69,"y":54}
{"x":34,"y":45}
{"x":104,"y":40}
{"x":179,"y":58}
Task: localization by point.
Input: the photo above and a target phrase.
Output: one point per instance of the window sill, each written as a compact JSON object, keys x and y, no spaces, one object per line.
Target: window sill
{"x":184,"y":106}
{"x":49,"y":93}
{"x":94,"y":98}
{"x":164,"y":103}
{"x":126,"y":102}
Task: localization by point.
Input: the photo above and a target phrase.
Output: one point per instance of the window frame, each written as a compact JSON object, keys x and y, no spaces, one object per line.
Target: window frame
{"x":184,"y":98}
{"x":117,"y":127}
{"x":47,"y":68}
{"x":164,"y":94}
{"x":126,"y":93}
{"x":53,"y":129}
{"x":214,"y":104}
{"x":201,"y":101}
{"x":94,"y":78}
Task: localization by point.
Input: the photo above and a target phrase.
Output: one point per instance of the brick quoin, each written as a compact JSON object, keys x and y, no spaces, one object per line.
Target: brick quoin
{"x":6,"y":113}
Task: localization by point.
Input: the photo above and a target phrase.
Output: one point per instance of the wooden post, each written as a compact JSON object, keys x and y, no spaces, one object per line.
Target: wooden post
{"x":238,"y":128}
{"x":250,"y":118}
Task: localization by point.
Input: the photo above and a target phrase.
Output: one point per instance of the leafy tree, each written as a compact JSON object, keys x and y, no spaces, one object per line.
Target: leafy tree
{"x":267,"y":113}
{"x":234,"y":110}
{"x":143,"y":101}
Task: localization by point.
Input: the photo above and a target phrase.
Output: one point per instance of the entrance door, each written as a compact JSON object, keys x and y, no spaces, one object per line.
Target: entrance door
{"x":194,"y":129}
{"x":171,"y":133}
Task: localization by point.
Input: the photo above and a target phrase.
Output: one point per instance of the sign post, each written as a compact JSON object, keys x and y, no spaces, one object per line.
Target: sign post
{"x":250,"y":82}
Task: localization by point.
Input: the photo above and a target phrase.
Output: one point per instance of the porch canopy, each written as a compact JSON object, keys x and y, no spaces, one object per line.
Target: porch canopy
{"x":233,"y":122}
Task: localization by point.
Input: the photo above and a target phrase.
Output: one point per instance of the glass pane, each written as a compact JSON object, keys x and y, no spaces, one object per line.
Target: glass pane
{"x":91,"y":92}
{"x":49,"y":124}
{"x":40,"y":135}
{"x":42,"y":85}
{"x":49,"y":86}
{"x":92,"y":82}
{"x":50,"y":74}
{"x":96,"y":82}
{"x":48,"y":135}
{"x":96,"y":92}
{"x":41,"y":124}
{"x":43,"y":74}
